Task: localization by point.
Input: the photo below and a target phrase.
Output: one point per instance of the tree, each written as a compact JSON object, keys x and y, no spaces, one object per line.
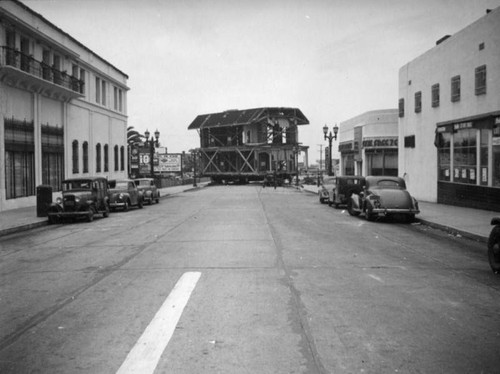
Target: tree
{"x":133,"y":136}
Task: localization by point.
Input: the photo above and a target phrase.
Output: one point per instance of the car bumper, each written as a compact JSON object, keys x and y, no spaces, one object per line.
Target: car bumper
{"x":384,"y":212}
{"x":118,"y":204}
{"x":68,"y":214}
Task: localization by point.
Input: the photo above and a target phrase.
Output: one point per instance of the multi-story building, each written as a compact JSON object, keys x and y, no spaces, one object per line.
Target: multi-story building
{"x":62,"y":108}
{"x":368,"y":143}
{"x":449,"y":118}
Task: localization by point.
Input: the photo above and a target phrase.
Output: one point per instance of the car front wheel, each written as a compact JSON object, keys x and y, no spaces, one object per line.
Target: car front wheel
{"x":106,"y":211}
{"x":494,"y":249}
{"x":90,"y":216}
{"x":351,"y":211}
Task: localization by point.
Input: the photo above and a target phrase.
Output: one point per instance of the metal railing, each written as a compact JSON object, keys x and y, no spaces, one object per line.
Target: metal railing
{"x":16,"y":59}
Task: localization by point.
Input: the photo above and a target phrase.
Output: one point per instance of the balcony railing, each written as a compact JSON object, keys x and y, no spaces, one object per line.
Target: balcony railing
{"x":16,"y":59}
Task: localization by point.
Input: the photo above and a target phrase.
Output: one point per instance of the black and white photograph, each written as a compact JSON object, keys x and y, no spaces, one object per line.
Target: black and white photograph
{"x":249,"y":186}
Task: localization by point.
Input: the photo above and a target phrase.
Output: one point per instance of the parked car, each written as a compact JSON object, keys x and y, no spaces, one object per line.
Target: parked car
{"x":383,"y":196}
{"x":309,"y":180}
{"x":325,"y":186}
{"x":343,"y":188}
{"x":81,"y":197}
{"x":494,"y":246}
{"x":123,"y":194}
{"x":148,"y":189}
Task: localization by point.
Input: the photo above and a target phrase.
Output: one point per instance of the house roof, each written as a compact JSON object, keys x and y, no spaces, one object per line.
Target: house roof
{"x":246,"y":117}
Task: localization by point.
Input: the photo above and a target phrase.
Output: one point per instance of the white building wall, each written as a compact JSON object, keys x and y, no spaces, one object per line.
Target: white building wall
{"x":82,"y":118}
{"x":458,"y":55}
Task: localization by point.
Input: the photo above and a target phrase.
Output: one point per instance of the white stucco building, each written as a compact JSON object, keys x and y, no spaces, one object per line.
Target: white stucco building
{"x":63,"y":109}
{"x":368,"y":143}
{"x":449,"y":118}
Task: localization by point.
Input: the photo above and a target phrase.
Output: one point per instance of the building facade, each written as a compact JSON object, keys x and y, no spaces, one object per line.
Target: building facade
{"x":62,"y":108}
{"x":449,"y":118}
{"x":368,"y":144}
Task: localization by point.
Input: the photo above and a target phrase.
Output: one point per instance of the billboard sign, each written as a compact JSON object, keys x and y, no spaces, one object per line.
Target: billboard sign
{"x":170,"y":162}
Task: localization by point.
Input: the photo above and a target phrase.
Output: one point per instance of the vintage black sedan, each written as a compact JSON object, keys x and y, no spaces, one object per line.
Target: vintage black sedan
{"x":148,"y":189}
{"x":123,"y":194}
{"x":343,"y":188}
{"x":81,"y":197}
{"x":383,"y":196}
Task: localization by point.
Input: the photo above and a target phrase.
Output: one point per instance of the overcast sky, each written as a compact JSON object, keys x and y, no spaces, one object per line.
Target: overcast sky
{"x":333,"y":59}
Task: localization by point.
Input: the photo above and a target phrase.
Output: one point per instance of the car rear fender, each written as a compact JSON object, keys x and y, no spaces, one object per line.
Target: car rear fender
{"x":356,"y":202}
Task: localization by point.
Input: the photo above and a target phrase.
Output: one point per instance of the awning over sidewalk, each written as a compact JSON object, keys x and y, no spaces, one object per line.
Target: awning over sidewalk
{"x":246,"y":117}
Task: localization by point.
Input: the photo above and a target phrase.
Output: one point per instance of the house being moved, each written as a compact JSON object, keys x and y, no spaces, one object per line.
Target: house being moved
{"x":246,"y":145}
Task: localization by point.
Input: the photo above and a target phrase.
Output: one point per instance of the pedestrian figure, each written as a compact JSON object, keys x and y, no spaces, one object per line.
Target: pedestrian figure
{"x":275,"y":179}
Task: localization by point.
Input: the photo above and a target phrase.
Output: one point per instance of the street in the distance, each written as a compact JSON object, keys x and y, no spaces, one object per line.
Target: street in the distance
{"x":282,"y":284}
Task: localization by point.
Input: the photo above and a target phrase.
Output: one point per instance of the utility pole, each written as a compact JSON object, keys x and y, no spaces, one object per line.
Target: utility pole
{"x":320,"y":162}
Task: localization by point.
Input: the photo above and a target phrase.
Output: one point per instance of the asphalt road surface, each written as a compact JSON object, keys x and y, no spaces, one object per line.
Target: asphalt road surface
{"x":245,"y":279}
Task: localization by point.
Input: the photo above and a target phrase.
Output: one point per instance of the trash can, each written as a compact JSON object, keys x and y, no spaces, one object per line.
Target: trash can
{"x":43,"y":200}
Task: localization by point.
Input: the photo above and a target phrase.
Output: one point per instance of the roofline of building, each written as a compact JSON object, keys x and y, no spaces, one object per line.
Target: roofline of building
{"x":445,"y":39}
{"x":28,"y":9}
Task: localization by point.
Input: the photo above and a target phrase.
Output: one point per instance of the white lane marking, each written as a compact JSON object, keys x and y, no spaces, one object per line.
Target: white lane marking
{"x":376,"y":278}
{"x":144,"y":356}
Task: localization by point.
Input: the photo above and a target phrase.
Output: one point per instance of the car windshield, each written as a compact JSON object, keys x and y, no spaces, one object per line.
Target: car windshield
{"x":142,"y":183}
{"x":76,"y":185}
{"x":329,"y":180}
{"x":121,"y":185}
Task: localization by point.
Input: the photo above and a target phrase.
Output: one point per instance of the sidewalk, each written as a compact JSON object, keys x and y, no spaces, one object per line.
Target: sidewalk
{"x":16,"y":220}
{"x":467,"y":222}
{"x":470,"y":223}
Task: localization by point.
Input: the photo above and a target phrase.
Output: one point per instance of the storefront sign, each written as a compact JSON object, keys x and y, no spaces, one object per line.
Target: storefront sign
{"x":346,"y":147}
{"x":380,"y":142}
{"x":462,"y":125}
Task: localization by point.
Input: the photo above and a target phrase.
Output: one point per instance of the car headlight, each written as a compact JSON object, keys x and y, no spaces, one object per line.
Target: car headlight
{"x":120,"y":196}
{"x":59,"y":201}
{"x":77,"y":199}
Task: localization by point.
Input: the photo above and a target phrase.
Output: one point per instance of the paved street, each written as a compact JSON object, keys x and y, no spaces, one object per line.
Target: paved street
{"x":241,"y":279}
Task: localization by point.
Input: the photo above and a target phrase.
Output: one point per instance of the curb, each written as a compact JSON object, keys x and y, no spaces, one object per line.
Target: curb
{"x":453,"y":231}
{"x":29,"y":226}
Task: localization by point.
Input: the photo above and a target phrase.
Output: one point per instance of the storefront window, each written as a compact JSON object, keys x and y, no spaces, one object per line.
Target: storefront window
{"x":382,"y":163}
{"x":348,"y":164}
{"x":496,"y":156}
{"x":19,"y":158}
{"x":444,"y":157}
{"x":464,"y":156}
{"x":483,"y":172}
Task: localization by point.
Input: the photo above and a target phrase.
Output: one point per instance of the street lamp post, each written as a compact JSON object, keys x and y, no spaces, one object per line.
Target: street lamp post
{"x":330,"y":137}
{"x":152,"y":143}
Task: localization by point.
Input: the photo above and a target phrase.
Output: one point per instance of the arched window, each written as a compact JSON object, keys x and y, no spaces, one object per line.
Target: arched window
{"x":122,"y":158}
{"x":116,"y":158}
{"x":98,"y":158}
{"x":75,"y":156}
{"x":106,"y":157}
{"x":85,"y":148}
